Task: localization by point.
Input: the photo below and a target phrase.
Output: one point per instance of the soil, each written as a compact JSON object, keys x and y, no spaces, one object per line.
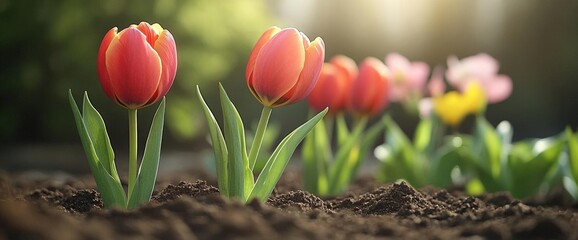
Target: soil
{"x":186,"y":206}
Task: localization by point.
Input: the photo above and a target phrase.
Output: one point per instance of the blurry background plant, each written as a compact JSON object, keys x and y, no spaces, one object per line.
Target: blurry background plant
{"x":344,"y":89}
{"x":49,"y":46}
{"x":434,"y":155}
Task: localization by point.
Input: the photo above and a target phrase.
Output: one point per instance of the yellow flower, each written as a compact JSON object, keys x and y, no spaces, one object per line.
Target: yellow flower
{"x":453,"y":107}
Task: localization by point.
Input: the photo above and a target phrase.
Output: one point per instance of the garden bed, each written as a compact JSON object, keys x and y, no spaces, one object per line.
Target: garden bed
{"x":188,"y":206}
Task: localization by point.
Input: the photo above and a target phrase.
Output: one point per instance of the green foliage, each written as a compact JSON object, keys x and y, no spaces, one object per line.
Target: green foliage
{"x":149,"y":166}
{"x":328,"y":175}
{"x":426,"y":160}
{"x":89,"y":125}
{"x":99,"y":152}
{"x":234,"y":171}
{"x":487,"y":161}
{"x":570,"y":180}
{"x":523,"y":168}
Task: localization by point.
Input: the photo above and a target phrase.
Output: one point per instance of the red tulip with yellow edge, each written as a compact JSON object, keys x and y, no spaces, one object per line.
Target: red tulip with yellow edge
{"x":136,"y":68}
{"x":332,"y":88}
{"x":137,"y":65}
{"x":284,"y":66}
{"x":370,"y":90}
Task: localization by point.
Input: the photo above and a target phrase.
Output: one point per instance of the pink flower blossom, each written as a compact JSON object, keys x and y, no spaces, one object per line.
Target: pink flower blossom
{"x":407,"y":78}
{"x":481,"y":68}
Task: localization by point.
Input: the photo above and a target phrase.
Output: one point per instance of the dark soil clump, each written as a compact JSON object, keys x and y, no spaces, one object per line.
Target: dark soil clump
{"x":72,"y":209}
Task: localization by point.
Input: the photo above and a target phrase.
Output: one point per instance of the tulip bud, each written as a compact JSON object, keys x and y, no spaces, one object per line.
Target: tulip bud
{"x":284,"y":66}
{"x":137,"y":65}
{"x":332,"y":88}
{"x":369,"y":91}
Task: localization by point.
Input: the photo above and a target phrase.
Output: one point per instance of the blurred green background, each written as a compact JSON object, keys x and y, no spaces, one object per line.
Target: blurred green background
{"x":48,"y":47}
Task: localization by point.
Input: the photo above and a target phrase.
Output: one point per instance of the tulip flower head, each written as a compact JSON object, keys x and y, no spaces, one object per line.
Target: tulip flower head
{"x":332,"y":88}
{"x":370,"y":90}
{"x":137,"y":65}
{"x":483,"y":69}
{"x":453,"y":106}
{"x":284,"y":66}
{"x":407,"y":78}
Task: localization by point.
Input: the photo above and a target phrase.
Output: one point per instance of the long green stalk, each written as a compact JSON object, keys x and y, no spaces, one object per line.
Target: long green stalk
{"x":133,"y":149}
{"x":259,"y":135}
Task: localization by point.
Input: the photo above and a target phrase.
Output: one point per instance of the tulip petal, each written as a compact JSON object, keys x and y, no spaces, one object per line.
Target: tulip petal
{"x":134,"y":68}
{"x":418,"y":76}
{"x":278,"y":66}
{"x":267,"y":35}
{"x":327,"y":91}
{"x":151,"y":33}
{"x":166,"y":49}
{"x":436,"y":86}
{"x":346,"y":65}
{"x":314,"y":57}
{"x":499,"y":89}
{"x":101,"y":63}
{"x":369,"y":92}
{"x":397,"y":62}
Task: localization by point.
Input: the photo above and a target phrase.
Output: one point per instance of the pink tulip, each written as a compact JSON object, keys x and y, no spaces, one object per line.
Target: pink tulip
{"x":481,"y":68}
{"x":284,"y":66}
{"x":332,"y":88}
{"x":436,"y":86}
{"x":407,"y":78}
{"x":370,"y":90}
{"x":137,"y":65}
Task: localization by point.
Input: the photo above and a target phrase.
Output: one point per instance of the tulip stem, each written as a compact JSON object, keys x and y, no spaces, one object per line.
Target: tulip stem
{"x":133,"y":149}
{"x":259,"y":135}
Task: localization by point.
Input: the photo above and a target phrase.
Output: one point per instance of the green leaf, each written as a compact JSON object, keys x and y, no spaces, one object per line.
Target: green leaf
{"x":149,"y":166}
{"x":110,"y":188}
{"x":315,"y":154}
{"x":423,"y":134}
{"x":443,"y":165}
{"x":405,"y":160}
{"x":367,"y":143}
{"x":528,"y":174}
{"x":240,"y":175}
{"x":339,"y":171}
{"x":342,"y":130}
{"x":219,"y":146}
{"x":573,"y":153}
{"x":97,"y":131}
{"x":279,"y":159}
{"x":488,"y":146}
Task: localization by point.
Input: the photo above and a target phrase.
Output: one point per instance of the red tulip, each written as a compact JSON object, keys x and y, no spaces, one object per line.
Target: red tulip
{"x":137,"y":65}
{"x":332,"y":88}
{"x":369,"y":91}
{"x":284,"y":66}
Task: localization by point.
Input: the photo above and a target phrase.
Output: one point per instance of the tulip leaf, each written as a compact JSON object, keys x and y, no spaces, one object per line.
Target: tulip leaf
{"x":529,"y":171}
{"x":441,"y":166}
{"x":342,"y":130}
{"x":404,"y":162}
{"x":488,"y":146}
{"x":348,"y":152}
{"x":423,"y":134}
{"x":316,"y":151}
{"x":109,"y":187}
{"x":97,"y":131}
{"x":149,"y":166}
{"x":280,"y":158}
{"x":573,"y":153}
{"x":240,"y":175}
{"x":367,"y":143}
{"x":219,"y":146}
